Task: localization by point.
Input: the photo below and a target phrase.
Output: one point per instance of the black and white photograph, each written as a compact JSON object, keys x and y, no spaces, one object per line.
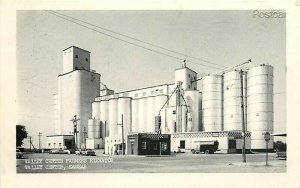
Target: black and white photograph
{"x":166,"y":92}
{"x":151,"y":91}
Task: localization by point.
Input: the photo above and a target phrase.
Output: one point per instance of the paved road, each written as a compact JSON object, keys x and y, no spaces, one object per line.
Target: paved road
{"x":63,"y":163}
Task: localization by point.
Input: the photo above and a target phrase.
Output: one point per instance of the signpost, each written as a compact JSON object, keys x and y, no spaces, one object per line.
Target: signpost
{"x":267,"y":138}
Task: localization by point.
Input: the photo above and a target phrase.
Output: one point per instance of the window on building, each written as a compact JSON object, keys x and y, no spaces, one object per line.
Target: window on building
{"x":59,"y":145}
{"x":86,"y":59}
{"x":232,"y":144}
{"x":144,"y":145}
{"x":182,"y":144}
{"x":76,"y":56}
{"x":164,"y":146}
{"x":161,"y":91}
{"x":189,"y":75}
{"x":49,"y":144}
{"x":189,"y":86}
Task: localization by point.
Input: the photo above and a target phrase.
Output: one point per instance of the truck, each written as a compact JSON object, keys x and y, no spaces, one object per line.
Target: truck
{"x":208,"y":147}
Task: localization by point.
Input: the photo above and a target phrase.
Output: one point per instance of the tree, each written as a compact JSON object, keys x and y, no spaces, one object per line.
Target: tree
{"x":21,"y":134}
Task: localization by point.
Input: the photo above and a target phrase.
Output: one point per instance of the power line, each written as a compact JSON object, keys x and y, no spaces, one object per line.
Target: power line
{"x":137,"y":45}
{"x":139,"y":40}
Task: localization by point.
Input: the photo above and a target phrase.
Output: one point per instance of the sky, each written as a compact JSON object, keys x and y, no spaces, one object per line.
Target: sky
{"x":222,"y":37}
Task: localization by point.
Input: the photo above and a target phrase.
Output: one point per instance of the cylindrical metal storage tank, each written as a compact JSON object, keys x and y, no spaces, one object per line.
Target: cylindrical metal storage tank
{"x":104,"y":118}
{"x":124,"y":108}
{"x":93,"y":128}
{"x":160,"y":100}
{"x":192,"y":100}
{"x":212,"y":102}
{"x":96,"y":110}
{"x":232,"y":100}
{"x":150,"y":114}
{"x":113,"y":117}
{"x":260,"y":105}
{"x":135,"y":115}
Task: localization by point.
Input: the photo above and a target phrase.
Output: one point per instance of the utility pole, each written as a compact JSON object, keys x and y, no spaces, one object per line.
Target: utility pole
{"x":74,"y":120}
{"x":84,"y":136}
{"x":243,"y":117}
{"x":40,"y":134}
{"x":267,"y":138}
{"x":123,"y":144}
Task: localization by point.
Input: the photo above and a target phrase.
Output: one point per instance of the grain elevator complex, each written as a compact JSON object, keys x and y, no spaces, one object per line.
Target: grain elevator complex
{"x":188,"y":111}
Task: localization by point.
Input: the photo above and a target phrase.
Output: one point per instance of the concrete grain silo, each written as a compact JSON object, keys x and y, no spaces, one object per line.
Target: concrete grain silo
{"x":232,"y":100}
{"x":151,"y":114}
{"x":160,"y":100}
{"x":212,"y":102}
{"x":113,"y":117}
{"x":260,"y":105}
{"x":192,"y":100}
{"x":135,"y":115}
{"x":104,"y":117}
{"x":142,"y":115}
{"x":124,"y":108}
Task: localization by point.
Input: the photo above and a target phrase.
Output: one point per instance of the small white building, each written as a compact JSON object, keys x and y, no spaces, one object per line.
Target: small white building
{"x":59,"y":142}
{"x":229,"y":141}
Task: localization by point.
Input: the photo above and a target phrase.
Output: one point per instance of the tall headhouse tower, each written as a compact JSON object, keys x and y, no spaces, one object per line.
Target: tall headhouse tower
{"x":77,"y":88}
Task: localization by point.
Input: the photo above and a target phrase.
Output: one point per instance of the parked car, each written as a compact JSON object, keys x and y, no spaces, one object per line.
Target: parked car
{"x":87,"y":152}
{"x":53,"y":151}
{"x":90,"y":152}
{"x":78,"y":152}
{"x":19,"y":154}
{"x":60,"y":151}
{"x":63,"y":151}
